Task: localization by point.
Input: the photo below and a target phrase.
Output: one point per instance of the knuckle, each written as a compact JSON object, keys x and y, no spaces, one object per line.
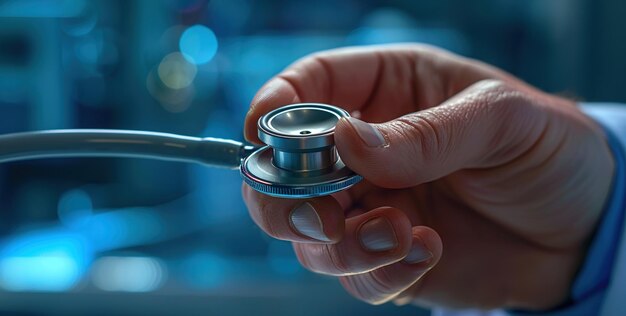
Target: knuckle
{"x":382,"y":282}
{"x":337,"y":260}
{"x":500,"y":99}
{"x":425,"y":134}
{"x":356,"y":285}
{"x":373,"y":287}
{"x":499,"y":104}
{"x":308,"y":62}
{"x":323,"y":259}
{"x":492,"y":85}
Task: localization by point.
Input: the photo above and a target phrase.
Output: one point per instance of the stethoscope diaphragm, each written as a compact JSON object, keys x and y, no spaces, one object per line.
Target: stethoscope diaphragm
{"x":300,"y":159}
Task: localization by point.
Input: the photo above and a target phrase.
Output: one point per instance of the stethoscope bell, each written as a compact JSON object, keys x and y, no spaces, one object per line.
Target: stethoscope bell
{"x":300,"y":159}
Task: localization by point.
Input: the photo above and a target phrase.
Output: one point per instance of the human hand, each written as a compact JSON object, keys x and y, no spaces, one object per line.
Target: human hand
{"x":480,"y":191}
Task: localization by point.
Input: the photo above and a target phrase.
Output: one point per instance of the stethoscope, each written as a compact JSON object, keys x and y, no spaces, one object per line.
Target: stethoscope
{"x":299,"y":161}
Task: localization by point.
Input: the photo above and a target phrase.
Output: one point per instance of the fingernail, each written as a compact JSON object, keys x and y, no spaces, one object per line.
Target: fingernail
{"x":418,"y":253}
{"x":305,"y":220}
{"x":377,"y":235}
{"x":370,"y":135}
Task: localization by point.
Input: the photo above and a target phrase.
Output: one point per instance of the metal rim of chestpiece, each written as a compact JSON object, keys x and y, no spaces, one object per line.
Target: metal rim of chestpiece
{"x":300,"y":159}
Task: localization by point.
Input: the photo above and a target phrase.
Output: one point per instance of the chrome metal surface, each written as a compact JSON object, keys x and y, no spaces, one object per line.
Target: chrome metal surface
{"x":301,"y":159}
{"x":261,"y":174}
{"x":307,"y":161}
{"x":302,"y":135}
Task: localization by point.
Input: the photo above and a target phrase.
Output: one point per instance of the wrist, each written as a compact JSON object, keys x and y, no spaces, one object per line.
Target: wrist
{"x":544,"y":279}
{"x":585,"y":292}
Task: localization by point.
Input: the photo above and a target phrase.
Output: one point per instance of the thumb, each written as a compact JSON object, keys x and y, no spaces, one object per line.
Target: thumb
{"x":486,"y":125}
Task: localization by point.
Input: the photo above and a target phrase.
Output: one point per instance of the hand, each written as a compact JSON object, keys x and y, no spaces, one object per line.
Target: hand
{"x":480,"y":191}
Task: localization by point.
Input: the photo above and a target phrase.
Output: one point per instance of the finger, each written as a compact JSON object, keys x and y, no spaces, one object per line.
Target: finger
{"x":301,"y":220}
{"x":487,"y":124}
{"x":372,"y":240}
{"x":385,"y":283}
{"x":365,"y":78}
{"x":340,"y":77}
{"x":381,"y":82}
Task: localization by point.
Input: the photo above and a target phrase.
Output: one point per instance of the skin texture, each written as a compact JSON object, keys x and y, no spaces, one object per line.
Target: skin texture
{"x":501,"y":183}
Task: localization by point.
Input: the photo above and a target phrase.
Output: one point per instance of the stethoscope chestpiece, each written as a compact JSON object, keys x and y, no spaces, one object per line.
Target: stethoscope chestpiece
{"x":300,"y":159}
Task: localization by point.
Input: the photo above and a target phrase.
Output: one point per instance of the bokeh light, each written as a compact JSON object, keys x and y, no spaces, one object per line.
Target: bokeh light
{"x":128,"y":274}
{"x":87,"y":49}
{"x":97,"y":52}
{"x":198,"y":44}
{"x":43,"y":261}
{"x":172,"y":100}
{"x":176,"y":72}
{"x":49,"y":272}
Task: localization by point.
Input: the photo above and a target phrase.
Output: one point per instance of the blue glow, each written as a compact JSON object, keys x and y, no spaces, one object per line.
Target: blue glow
{"x":205,"y":270}
{"x":224,"y":204}
{"x":198,"y":44}
{"x":43,"y":261}
{"x":55,"y":272}
{"x":446,"y":38}
{"x":124,"y":227}
{"x":75,"y":208}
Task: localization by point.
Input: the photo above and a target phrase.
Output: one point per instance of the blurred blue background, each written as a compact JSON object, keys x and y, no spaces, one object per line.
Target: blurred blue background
{"x":122,"y":236}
